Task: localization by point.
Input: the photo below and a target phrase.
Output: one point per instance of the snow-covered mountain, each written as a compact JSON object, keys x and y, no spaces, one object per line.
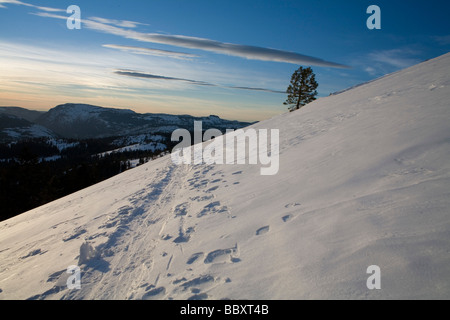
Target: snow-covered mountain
{"x":364,"y":180}
{"x":80,"y":121}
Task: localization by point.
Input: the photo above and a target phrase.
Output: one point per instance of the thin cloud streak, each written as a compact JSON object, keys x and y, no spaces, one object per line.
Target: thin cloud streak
{"x":442,"y":40}
{"x":237,"y":50}
{"x":48,"y":9}
{"x":118,"y":23}
{"x":256,"y":89}
{"x":135,"y":74}
{"x":152,"y":52}
{"x":131,"y":73}
{"x":398,"y":58}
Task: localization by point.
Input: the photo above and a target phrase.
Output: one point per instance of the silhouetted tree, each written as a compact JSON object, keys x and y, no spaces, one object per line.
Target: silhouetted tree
{"x":302,"y":89}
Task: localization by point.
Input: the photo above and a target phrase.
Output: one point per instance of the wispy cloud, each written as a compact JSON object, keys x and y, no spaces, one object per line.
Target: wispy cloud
{"x":152,"y":52}
{"x":398,"y":58}
{"x":48,"y":9}
{"x":442,"y":40}
{"x":136,"y":74}
{"x":17,"y":2}
{"x":237,"y":50}
{"x":118,"y":23}
{"x":370,"y":71}
{"x":381,"y":62}
{"x":2,"y":2}
{"x":256,"y":89}
{"x":50,"y":15}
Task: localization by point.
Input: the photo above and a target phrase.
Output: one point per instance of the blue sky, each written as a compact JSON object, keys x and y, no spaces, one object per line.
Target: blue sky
{"x":229,"y":58}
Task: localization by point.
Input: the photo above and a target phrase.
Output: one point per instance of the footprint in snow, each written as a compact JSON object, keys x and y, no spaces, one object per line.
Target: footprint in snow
{"x":212,"y":189}
{"x":212,"y":208}
{"x":181,"y":209}
{"x":262,"y":230}
{"x":222,"y":256}
{"x":194,"y":257}
{"x":154,"y":293}
{"x":292,"y":204}
{"x":200,"y":296}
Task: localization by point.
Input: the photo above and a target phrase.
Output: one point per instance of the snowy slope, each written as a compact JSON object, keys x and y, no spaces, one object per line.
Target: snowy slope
{"x":364,"y":180}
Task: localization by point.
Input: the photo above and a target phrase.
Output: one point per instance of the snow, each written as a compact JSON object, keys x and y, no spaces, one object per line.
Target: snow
{"x":364,"y":180}
{"x":71,"y":112}
{"x":134,"y":163}
{"x":152,"y":146}
{"x":141,"y":138}
{"x":62,"y":144}
{"x":164,"y":118}
{"x":12,"y":133}
{"x":33,"y":131}
{"x":50,"y":159}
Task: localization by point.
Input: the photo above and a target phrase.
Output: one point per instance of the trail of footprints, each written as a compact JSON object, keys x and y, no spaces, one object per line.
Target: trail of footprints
{"x":199,"y":286}
{"x":183,"y":210}
{"x":194,"y":286}
{"x":190,"y":284}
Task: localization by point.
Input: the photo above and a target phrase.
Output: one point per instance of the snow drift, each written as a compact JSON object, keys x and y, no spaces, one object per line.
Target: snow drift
{"x":364,"y":180}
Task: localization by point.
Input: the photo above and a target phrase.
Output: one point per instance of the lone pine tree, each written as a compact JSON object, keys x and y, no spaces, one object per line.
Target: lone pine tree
{"x":302,"y":89}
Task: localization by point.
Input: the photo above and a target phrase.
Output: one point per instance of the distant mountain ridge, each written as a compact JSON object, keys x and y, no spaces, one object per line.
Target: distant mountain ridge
{"x":84,"y":121}
{"x":30,"y":115}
